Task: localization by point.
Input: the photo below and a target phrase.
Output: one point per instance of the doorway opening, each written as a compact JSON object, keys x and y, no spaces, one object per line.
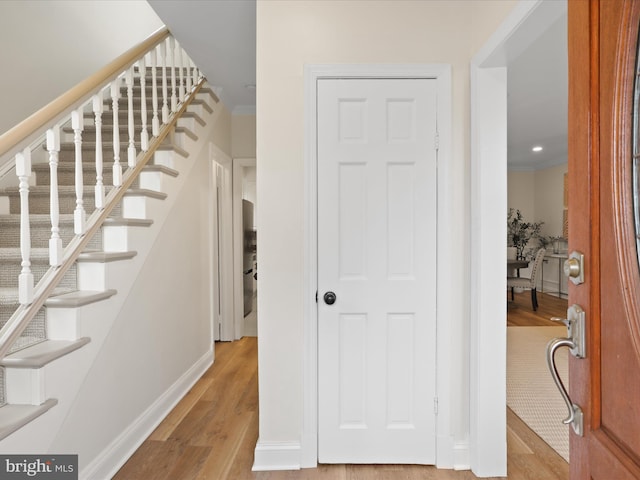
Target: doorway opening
{"x":505,"y":75}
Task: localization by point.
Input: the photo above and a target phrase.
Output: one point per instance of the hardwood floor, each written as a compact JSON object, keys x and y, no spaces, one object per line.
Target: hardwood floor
{"x":520,"y":313}
{"x":212,"y":432}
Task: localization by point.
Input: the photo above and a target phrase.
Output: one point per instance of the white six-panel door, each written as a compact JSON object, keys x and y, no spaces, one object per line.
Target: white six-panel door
{"x":377,"y":225}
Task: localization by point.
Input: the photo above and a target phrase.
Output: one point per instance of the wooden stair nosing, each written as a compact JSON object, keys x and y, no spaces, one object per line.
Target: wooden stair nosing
{"x":187,"y":131}
{"x":127,"y":222}
{"x":14,"y":417}
{"x":79,"y":298}
{"x":40,"y":354}
{"x":145,"y":192}
{"x":99,"y":256}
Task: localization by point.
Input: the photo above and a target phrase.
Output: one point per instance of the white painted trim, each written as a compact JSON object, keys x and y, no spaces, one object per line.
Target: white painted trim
{"x":238,"y":288}
{"x":487,"y":430}
{"x":446,"y":295}
{"x":226,"y":243}
{"x":276,"y":456}
{"x":119,"y":450}
{"x":461,"y":456}
{"x":487,"y":373}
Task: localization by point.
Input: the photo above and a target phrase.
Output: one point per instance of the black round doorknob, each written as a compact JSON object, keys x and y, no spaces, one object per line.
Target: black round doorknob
{"x":329,"y":298}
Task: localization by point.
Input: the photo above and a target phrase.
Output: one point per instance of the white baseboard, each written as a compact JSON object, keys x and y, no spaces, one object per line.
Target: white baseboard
{"x":276,"y":456}
{"x":461,"y":456}
{"x":444,"y":452}
{"x":118,"y":452}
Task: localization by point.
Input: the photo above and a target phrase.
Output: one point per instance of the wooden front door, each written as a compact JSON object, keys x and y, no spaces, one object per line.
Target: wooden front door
{"x":603,"y":45}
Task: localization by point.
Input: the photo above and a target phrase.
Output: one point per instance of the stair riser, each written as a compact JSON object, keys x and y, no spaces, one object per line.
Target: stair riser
{"x":123,"y":103}
{"x":40,"y":235}
{"x":10,"y":269}
{"x":89,"y":135}
{"x":68,"y":177}
{"x":35,"y":332}
{"x":67,"y":203}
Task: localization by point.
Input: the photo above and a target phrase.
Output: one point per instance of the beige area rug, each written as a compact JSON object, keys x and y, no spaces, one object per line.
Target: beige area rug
{"x":531,"y":392}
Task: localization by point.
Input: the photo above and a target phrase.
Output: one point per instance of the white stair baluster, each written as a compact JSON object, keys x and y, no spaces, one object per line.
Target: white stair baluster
{"x":99,"y":189}
{"x":165,"y":95}
{"x":178,"y":51}
{"x":55,"y":242}
{"x":172,"y":57}
{"x":194,"y":73}
{"x":131,"y":151}
{"x":187,"y":63}
{"x":25,"y":279}
{"x":155,"y":122}
{"x":117,"y":168}
{"x":79,"y":215}
{"x":144,"y":134}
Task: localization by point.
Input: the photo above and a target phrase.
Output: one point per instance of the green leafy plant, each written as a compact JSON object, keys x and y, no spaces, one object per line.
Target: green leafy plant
{"x":520,"y":232}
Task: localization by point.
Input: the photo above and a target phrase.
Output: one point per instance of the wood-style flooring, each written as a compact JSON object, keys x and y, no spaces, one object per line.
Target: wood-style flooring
{"x":212,"y":432}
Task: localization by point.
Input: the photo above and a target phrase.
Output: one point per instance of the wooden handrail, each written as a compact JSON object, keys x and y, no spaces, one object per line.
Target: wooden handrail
{"x":16,"y":136}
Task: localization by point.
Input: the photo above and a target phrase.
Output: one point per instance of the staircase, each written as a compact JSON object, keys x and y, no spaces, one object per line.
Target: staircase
{"x":64,"y":337}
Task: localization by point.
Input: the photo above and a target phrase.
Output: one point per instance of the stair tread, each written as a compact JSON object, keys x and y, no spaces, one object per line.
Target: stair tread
{"x":44,"y":189}
{"x":104,"y":257}
{"x":14,"y":417}
{"x":78,"y":298}
{"x":71,"y":190}
{"x":35,"y":218}
{"x":133,"y":192}
{"x":40,"y":354}
{"x":9,"y":295}
{"x":127,"y":222}
{"x":15,"y":253}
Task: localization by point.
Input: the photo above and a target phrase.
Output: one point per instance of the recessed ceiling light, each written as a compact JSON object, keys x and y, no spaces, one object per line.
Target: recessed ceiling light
{"x":537,"y":148}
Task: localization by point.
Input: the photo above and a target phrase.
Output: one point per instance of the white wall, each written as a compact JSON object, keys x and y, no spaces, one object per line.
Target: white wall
{"x":290,"y":35}
{"x":243,"y":132}
{"x":48,"y":46}
{"x":539,"y":195}
{"x":521,"y":193}
{"x":549,"y":198}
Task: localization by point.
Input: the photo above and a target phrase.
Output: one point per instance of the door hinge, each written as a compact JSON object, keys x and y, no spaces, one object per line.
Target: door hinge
{"x":316,"y":296}
{"x":435,"y":405}
{"x":436,"y":141}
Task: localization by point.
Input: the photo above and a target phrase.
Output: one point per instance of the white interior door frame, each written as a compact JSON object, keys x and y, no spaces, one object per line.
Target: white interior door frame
{"x":487,"y":434}
{"x":215,"y":178}
{"x":238,"y":175}
{"x":225,"y":239}
{"x":446,"y":294}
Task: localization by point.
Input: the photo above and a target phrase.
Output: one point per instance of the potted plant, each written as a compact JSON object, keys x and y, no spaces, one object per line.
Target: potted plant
{"x":520,"y":232}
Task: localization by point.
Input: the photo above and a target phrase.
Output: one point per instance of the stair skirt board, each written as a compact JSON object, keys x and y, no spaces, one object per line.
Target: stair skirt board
{"x":118,"y":452}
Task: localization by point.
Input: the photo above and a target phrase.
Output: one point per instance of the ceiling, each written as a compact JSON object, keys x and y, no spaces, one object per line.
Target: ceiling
{"x":537,"y":101}
{"x":221,"y":38}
